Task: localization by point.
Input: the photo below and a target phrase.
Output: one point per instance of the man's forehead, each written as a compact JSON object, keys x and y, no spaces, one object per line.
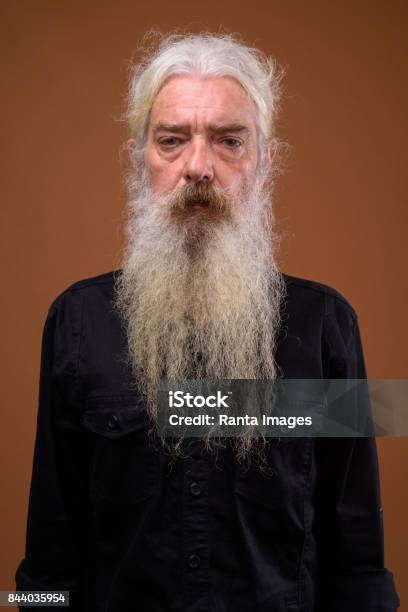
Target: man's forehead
{"x":221,"y":102}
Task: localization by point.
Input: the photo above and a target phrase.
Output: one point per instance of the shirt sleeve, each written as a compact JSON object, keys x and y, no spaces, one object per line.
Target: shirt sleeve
{"x":57,"y":511}
{"x":348,"y":521}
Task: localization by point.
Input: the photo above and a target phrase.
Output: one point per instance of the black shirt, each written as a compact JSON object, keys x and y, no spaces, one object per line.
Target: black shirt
{"x":115,"y":522}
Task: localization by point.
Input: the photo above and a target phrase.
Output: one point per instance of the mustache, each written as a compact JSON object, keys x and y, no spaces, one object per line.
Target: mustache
{"x":201,"y":196}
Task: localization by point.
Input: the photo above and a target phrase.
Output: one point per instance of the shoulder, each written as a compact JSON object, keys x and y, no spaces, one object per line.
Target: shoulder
{"x":306,"y":293}
{"x":82,"y":305}
{"x":100,"y":279}
{"x":327,"y":314}
{"x":99,"y":285}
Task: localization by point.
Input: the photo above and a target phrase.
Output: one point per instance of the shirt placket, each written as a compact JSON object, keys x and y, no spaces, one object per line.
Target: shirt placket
{"x":196,"y":530}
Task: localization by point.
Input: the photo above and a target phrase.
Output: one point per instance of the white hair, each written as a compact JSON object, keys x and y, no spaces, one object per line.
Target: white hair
{"x":205,"y":55}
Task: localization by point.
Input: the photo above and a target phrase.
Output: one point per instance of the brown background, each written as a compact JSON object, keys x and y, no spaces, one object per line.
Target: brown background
{"x":340,"y":205}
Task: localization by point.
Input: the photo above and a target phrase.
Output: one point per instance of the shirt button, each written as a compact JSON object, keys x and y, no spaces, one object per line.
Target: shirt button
{"x":194,"y":561}
{"x":195,"y":488}
{"x":113,"y":421}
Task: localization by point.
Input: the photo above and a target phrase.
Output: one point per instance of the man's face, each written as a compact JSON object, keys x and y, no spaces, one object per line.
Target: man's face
{"x":201,"y":130}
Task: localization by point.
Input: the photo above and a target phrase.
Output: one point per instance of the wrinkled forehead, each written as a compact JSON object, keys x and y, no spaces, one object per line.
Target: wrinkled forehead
{"x":203,"y":103}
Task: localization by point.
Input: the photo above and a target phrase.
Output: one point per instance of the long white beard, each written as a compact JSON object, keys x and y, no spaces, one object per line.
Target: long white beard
{"x":209,"y":310}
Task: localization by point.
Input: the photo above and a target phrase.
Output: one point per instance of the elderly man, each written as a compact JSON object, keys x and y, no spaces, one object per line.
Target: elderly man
{"x":125,"y":522}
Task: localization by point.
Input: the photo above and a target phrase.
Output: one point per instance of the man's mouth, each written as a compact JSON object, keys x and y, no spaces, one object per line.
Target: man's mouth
{"x":198,"y":203}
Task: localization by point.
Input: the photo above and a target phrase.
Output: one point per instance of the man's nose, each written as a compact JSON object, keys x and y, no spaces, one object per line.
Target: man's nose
{"x":199,"y":166}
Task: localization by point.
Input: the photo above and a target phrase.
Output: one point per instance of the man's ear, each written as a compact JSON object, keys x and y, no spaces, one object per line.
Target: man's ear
{"x":131,"y":148}
{"x":271,"y":150}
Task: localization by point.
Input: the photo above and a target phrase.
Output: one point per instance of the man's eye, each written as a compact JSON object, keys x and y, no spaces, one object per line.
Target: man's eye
{"x":232,"y":143}
{"x":169,"y":142}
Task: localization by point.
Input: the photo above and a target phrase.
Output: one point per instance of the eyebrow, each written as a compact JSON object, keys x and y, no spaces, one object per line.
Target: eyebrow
{"x":185,"y":128}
